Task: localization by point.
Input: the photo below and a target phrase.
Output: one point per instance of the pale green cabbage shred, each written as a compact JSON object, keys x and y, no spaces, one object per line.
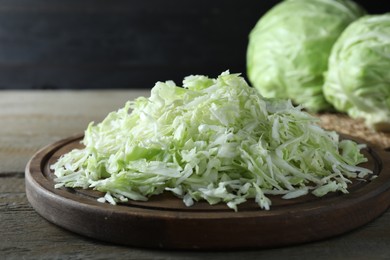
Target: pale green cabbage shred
{"x":217,"y":140}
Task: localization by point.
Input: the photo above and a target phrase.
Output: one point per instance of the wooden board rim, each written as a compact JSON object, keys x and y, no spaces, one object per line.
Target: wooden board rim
{"x":176,"y":229}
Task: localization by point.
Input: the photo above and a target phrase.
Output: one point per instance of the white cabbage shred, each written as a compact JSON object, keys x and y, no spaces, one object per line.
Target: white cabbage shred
{"x":217,"y":140}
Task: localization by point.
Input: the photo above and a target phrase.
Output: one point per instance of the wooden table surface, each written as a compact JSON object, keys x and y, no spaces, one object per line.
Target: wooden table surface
{"x":30,"y":120}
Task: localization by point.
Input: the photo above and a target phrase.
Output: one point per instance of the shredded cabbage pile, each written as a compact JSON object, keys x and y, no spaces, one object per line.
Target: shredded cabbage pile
{"x":217,"y":140}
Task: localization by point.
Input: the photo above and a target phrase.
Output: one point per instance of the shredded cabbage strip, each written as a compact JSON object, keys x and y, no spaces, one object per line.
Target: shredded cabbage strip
{"x":217,"y":140}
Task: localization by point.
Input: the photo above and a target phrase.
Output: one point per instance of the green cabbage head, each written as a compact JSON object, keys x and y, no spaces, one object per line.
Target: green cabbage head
{"x":289,"y":48}
{"x":358,"y":79}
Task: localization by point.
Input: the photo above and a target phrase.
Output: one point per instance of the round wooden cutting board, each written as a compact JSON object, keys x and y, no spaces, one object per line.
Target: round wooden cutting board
{"x":164,"y":221}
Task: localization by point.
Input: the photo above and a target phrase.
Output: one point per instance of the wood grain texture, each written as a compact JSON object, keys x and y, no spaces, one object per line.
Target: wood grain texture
{"x":165,"y":222}
{"x":30,"y":120}
{"x":26,"y":235}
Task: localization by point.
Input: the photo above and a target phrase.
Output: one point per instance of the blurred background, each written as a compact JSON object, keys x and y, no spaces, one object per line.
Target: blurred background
{"x":100,"y":44}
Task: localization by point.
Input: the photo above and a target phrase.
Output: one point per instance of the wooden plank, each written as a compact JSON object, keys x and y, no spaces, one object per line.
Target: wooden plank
{"x":31,"y":120}
{"x":27,"y":235}
{"x":165,"y":222}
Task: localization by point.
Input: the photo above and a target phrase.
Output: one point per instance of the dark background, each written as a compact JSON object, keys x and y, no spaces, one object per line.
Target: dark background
{"x":124,"y":43}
